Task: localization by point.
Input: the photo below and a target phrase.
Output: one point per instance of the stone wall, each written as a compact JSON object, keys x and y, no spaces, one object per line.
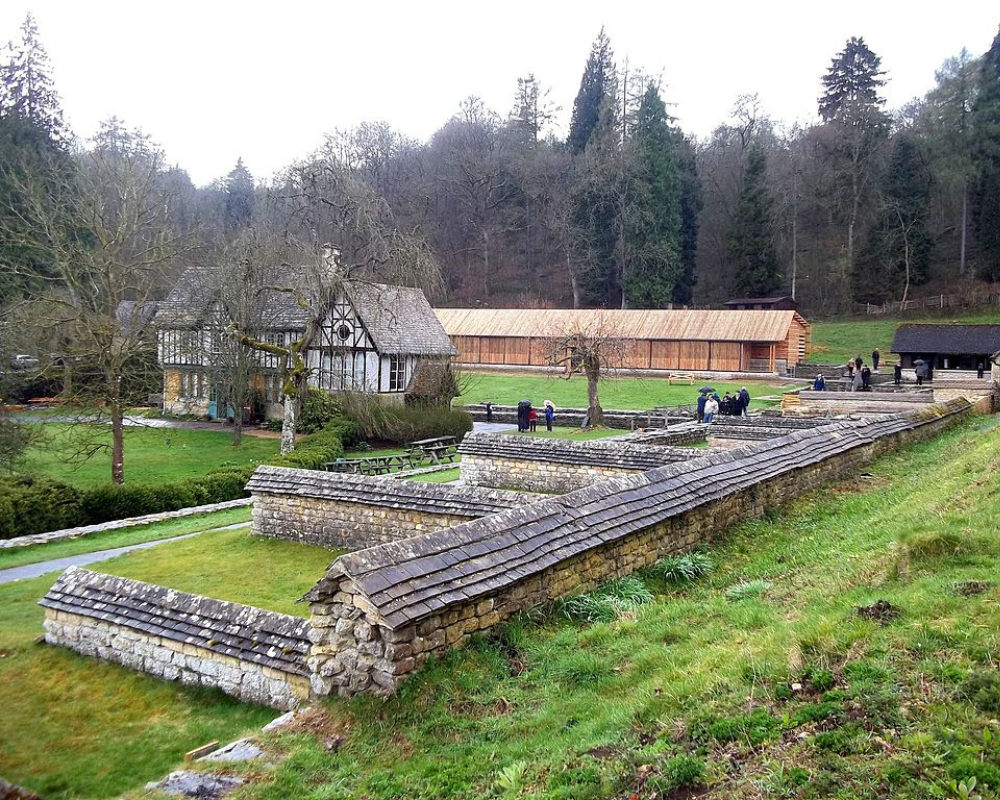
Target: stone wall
{"x":860,"y":403}
{"x":253,"y":654}
{"x":573,"y":417}
{"x":350,"y":512}
{"x":380,"y":613}
{"x":558,"y":466}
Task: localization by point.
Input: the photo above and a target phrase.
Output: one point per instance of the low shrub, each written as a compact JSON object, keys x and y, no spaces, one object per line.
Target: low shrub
{"x":319,"y":410}
{"x":401,"y":424}
{"x":35,"y":504}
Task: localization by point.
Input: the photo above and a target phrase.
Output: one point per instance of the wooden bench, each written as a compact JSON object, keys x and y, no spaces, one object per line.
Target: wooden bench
{"x":680,"y":377}
{"x":371,"y":465}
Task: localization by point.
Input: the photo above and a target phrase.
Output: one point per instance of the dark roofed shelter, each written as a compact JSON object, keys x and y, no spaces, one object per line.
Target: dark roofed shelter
{"x":784,"y":303}
{"x":946,"y":346}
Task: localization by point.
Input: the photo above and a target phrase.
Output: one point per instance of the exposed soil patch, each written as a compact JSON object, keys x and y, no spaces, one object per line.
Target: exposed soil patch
{"x":881,"y":611}
{"x":970,"y":588}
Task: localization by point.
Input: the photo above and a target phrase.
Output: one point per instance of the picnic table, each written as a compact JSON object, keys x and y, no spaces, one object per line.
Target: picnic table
{"x":371,"y":465}
{"x":437,"y":449}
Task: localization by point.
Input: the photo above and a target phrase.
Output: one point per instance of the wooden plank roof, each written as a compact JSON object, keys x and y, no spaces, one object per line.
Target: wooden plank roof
{"x":655,"y":324}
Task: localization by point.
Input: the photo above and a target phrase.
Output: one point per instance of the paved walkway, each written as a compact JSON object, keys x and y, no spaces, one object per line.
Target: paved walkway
{"x":59,"y":564}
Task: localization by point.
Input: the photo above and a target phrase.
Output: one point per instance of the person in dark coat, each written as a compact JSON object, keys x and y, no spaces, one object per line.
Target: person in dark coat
{"x":744,"y":402}
{"x":876,"y":355}
{"x":980,"y":369}
{"x":726,"y":406}
{"x":702,"y":398}
{"x":858,"y":361}
{"x":489,"y":411}
{"x":819,"y":385}
{"x":866,"y":379}
{"x":897,"y":373}
{"x":550,"y":415}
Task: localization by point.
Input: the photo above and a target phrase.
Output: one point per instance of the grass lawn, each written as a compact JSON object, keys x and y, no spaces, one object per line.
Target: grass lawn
{"x":835,"y":342}
{"x":77,"y":727}
{"x":759,"y":680}
{"x":621,"y":393}
{"x":19,"y":556}
{"x":151,"y":454}
{"x":444,"y":476}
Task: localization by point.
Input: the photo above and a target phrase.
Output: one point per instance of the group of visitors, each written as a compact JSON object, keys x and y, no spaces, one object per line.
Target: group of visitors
{"x":729,"y":405}
{"x":527,"y":416}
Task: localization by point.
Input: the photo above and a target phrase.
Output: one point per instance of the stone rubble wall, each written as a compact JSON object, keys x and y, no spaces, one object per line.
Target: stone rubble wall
{"x":573,"y":417}
{"x":350,"y":512}
{"x":250,"y":653}
{"x":379,"y":614}
{"x":557,"y":466}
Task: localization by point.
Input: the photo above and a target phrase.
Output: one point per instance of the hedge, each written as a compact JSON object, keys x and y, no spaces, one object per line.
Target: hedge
{"x":402,"y":424}
{"x":36,"y":504}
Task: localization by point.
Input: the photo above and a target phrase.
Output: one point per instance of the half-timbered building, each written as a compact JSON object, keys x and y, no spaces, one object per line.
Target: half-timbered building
{"x":373,"y":338}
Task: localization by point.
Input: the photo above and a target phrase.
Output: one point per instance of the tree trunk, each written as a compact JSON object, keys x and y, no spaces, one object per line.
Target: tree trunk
{"x":573,"y":282}
{"x":965,"y":223}
{"x":288,"y":421}
{"x":594,"y":410}
{"x":117,"y":444}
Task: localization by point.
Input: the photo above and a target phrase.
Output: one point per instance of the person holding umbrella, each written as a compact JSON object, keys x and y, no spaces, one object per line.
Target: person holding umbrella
{"x":920,"y":368}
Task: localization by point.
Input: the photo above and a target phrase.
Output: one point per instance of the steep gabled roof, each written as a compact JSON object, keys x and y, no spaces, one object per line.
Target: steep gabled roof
{"x":655,"y":324}
{"x":399,"y":319}
{"x":947,"y":339}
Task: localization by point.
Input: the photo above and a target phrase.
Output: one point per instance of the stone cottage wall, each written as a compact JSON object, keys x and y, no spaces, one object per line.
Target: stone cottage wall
{"x":349,"y":512}
{"x":381,"y":613}
{"x":253,"y":654}
{"x":557,"y":466}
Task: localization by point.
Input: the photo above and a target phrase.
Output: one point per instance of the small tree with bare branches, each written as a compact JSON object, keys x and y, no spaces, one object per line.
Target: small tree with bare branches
{"x":590,"y":345}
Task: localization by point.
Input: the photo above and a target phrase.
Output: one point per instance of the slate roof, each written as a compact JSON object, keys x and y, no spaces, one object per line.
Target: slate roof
{"x":947,"y":339}
{"x":399,"y":319}
{"x":598,"y":453}
{"x":244,"y":632}
{"x":460,"y":501}
{"x":409,"y":580}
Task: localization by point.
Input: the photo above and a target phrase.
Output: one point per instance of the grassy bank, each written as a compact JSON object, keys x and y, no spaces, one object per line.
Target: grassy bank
{"x":20,"y":556}
{"x":835,"y":342}
{"x":151,"y":454}
{"x":78,"y":727}
{"x":623,"y":392}
{"x":759,"y":680}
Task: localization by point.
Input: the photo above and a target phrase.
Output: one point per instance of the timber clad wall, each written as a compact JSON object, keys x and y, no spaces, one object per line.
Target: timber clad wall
{"x":725,"y":341}
{"x":381,"y":613}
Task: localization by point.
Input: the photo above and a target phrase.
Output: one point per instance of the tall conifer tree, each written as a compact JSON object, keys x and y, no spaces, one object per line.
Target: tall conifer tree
{"x":751,"y":242}
{"x":986,"y":196}
{"x":651,"y":235}
{"x":595,"y":87}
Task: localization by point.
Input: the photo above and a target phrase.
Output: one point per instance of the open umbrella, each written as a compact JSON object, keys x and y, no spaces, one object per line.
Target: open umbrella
{"x":706,"y":389}
{"x":918,"y":361}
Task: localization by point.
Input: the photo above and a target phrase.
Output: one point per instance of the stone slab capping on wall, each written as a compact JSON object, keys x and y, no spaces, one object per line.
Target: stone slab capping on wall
{"x":250,"y":653}
{"x":380,"y":613}
{"x":355,"y":511}
{"x":557,"y":465}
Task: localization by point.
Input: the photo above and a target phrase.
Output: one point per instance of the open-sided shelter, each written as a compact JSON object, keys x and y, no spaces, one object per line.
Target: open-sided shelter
{"x":947,"y":346}
{"x":656,"y":339}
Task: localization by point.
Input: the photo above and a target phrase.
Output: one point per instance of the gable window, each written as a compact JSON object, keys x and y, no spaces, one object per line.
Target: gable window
{"x":397,"y":373}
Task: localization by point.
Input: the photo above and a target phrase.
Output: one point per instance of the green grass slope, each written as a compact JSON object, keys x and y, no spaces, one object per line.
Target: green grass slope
{"x":836,"y":341}
{"x":759,"y":680}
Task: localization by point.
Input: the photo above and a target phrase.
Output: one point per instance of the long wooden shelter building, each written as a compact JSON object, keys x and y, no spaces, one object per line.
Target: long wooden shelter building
{"x":725,"y":341}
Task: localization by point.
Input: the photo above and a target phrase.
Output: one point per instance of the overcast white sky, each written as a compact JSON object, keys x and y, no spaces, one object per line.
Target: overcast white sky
{"x":214,"y":80}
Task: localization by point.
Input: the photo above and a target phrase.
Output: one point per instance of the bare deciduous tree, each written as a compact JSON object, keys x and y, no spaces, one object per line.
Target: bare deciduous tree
{"x":592,"y":345}
{"x":104,"y":225}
